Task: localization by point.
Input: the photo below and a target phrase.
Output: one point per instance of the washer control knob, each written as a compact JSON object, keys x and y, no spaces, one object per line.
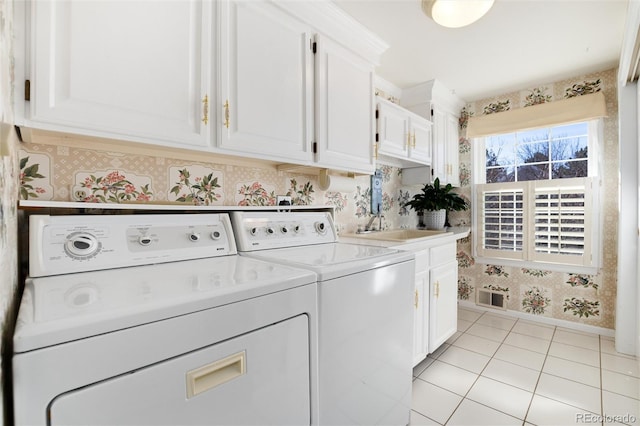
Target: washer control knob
{"x":144,"y":240}
{"x":284,"y":230}
{"x":82,"y":245}
{"x":253,"y":231}
{"x":321,"y":228}
{"x":215,"y":235}
{"x":194,"y":236}
{"x":296,"y":229}
{"x":270,"y":231}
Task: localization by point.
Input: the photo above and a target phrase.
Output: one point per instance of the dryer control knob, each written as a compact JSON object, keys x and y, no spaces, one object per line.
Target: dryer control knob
{"x":194,"y":236}
{"x":284,"y":229}
{"x":82,"y":245}
{"x":215,"y":235}
{"x":321,"y":228}
{"x":253,"y":231}
{"x":270,"y":231}
{"x":144,"y":240}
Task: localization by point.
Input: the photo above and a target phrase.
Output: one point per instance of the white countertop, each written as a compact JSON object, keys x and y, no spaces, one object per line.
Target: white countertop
{"x":451,"y":234}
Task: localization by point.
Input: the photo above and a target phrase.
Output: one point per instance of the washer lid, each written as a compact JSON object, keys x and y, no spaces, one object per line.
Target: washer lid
{"x":335,"y":259}
{"x":68,"y":307}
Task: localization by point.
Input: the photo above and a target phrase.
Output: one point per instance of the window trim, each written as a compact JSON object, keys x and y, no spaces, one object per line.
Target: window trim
{"x":527,"y":259}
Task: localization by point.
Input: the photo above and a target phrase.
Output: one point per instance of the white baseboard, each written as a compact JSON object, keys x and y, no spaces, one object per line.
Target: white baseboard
{"x":607,"y":332}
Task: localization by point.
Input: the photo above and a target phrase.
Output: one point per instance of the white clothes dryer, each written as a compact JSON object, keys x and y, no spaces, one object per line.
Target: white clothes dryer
{"x":365,"y":313}
{"x":155,"y":319}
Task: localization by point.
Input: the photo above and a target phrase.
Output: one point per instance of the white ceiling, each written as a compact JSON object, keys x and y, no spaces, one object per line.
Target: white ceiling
{"x":517,"y":45}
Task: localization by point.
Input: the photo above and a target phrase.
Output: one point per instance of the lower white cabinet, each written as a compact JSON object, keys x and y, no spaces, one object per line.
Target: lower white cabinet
{"x":443,"y":304}
{"x":435,"y":298}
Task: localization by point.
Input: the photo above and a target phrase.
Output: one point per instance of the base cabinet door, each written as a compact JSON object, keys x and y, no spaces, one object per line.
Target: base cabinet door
{"x":132,"y":70}
{"x":443,"y":315}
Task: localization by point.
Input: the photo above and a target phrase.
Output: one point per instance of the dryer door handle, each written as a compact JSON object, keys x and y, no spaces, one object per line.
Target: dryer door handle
{"x":215,"y":374}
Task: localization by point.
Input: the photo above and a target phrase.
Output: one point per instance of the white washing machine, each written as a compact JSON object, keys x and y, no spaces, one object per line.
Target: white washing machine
{"x":170,"y":326}
{"x":365,"y":313}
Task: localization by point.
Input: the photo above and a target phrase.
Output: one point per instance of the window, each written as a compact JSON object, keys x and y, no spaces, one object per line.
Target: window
{"x":536,"y":197}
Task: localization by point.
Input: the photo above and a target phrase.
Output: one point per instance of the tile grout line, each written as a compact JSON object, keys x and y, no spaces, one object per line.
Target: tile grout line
{"x":533,"y":393}
{"x":492,"y":357}
{"x":601,"y":392}
{"x":433,"y":362}
{"x":480,"y":373}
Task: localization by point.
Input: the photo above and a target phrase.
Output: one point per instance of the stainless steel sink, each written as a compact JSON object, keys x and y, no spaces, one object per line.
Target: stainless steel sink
{"x":400,"y":235}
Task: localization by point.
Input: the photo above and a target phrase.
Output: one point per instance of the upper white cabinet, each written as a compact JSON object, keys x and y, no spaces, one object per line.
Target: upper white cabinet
{"x":433,"y":100}
{"x":445,"y":146}
{"x":290,"y":82}
{"x":403,"y":135}
{"x":345,"y":120}
{"x":119,"y":69}
{"x":266,"y":76}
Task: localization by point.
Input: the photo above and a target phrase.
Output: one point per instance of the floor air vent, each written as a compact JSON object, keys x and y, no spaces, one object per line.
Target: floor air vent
{"x":491,"y":299}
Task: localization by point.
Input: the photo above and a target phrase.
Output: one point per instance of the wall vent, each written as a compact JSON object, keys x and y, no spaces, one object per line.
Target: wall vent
{"x":491,"y":299}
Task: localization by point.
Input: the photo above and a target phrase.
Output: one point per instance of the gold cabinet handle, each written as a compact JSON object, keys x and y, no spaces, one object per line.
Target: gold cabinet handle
{"x":413,"y":144}
{"x":408,"y":143}
{"x":415,"y":302}
{"x":226,"y":114}
{"x":375,"y":151}
{"x":437,"y":289}
{"x":205,"y":110}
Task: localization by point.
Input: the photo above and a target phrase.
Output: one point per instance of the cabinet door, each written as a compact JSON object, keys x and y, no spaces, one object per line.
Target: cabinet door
{"x":132,"y":70}
{"x":439,"y":158}
{"x":452,"y":141}
{"x":443,"y":315}
{"x":421,"y":317}
{"x":445,"y":147}
{"x":393,"y":130}
{"x":420,"y":148}
{"x":344,"y":109}
{"x":266,"y":78}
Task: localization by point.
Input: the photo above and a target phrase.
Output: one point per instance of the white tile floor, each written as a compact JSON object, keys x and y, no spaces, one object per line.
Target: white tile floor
{"x":498,"y":370}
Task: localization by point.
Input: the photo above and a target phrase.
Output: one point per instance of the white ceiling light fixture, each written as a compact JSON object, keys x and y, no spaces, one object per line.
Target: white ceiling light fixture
{"x":456,"y":13}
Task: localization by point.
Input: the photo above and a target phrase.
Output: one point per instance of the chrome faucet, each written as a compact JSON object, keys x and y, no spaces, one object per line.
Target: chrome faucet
{"x":378,"y":216}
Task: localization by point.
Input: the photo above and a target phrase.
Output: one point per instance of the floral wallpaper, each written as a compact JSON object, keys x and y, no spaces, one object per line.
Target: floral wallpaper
{"x":52,"y":171}
{"x":11,"y":173}
{"x":588,"y":299}
{"x":58,"y":172}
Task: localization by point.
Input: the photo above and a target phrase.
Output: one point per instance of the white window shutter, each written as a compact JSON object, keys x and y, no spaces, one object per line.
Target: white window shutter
{"x":562,"y":220}
{"x":502,"y":219}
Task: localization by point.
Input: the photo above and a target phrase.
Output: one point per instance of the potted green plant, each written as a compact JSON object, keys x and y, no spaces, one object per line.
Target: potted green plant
{"x":433,"y":203}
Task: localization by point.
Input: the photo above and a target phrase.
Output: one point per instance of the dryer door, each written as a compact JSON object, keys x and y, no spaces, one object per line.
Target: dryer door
{"x":261,"y":377}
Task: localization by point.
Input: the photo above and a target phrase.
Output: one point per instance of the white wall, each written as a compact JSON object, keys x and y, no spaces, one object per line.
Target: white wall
{"x":626,"y":304}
